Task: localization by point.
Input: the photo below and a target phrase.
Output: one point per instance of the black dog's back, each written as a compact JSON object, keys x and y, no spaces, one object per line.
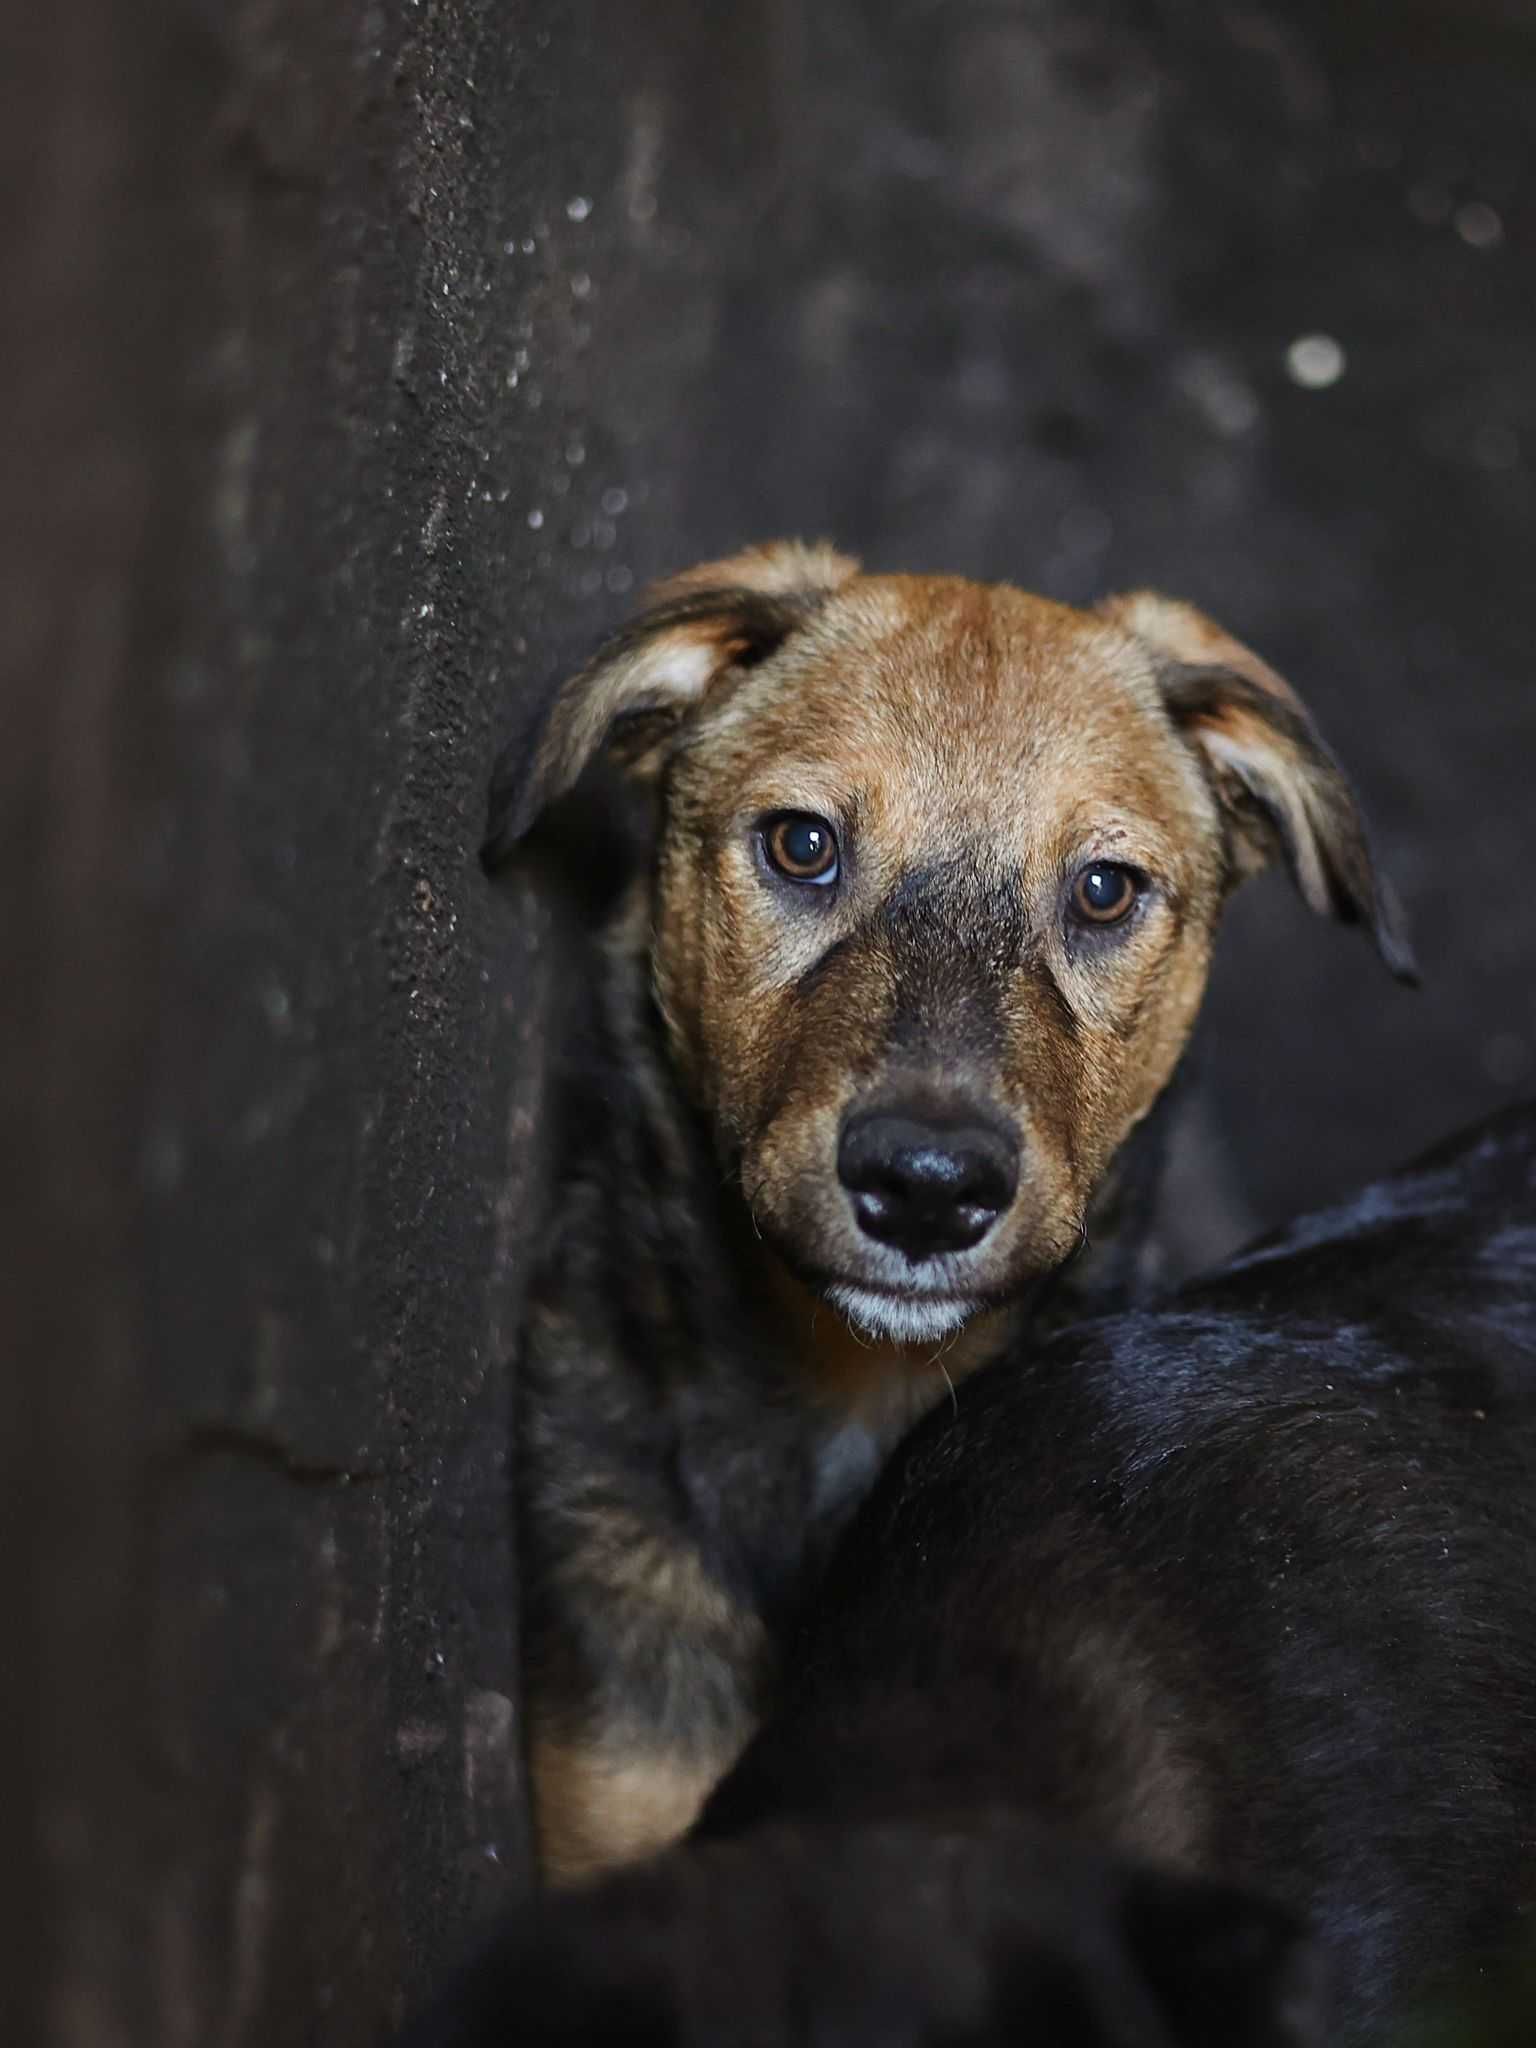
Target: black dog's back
{"x":1248,"y":1585}
{"x":1246,"y":1588}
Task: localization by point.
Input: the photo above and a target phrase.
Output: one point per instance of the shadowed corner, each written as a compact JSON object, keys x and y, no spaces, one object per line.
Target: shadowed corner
{"x":1498,"y":2010}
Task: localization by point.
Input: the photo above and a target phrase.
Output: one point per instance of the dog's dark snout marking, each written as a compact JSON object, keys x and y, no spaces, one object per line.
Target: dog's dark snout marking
{"x":926,"y":1187}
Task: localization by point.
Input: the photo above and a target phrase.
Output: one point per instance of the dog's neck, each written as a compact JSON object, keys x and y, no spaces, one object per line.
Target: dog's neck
{"x":878,"y":1381}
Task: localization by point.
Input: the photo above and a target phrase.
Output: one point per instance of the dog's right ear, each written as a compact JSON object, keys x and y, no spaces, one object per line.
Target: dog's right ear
{"x":645,"y":680}
{"x":1280,"y":790}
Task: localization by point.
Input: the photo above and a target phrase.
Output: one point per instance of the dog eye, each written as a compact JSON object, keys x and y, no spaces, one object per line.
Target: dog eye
{"x":1105,"y":893}
{"x":801,"y":846}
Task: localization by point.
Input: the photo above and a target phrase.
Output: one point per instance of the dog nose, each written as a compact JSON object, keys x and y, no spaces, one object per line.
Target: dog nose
{"x":926,"y":1187}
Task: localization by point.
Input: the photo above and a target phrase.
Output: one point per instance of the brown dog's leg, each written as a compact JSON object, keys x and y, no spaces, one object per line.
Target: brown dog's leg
{"x":645,"y":1675}
{"x":597,"y":1805}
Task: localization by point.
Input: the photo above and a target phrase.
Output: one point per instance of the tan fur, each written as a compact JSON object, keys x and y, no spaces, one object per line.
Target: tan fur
{"x":780,"y":567}
{"x":609,"y":1794}
{"x":647,"y":1567}
{"x":1188,"y":635}
{"x":594,"y":1809}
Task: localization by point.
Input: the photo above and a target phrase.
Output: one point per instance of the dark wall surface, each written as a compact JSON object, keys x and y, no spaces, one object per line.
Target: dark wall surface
{"x":269,"y":1100}
{"x":361,"y":362}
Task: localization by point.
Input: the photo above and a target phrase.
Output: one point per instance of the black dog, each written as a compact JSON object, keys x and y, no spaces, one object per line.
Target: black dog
{"x":1242,"y":1594}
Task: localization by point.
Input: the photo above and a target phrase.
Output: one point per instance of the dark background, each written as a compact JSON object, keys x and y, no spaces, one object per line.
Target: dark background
{"x":360,"y":363}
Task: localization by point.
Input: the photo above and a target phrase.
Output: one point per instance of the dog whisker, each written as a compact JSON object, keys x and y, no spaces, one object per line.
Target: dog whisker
{"x":750,"y":1197}
{"x":954,"y":1398}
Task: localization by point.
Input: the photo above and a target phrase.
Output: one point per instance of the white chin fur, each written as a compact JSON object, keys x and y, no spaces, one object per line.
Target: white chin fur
{"x":904,"y":1319}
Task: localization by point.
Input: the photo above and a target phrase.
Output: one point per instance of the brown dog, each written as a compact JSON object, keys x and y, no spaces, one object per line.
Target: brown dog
{"x":936,"y":873}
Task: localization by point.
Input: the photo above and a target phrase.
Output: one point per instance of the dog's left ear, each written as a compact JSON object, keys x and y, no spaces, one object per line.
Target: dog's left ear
{"x":1280,"y":790}
{"x":644,"y":680}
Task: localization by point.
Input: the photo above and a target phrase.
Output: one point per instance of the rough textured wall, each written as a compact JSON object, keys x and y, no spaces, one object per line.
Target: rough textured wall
{"x":360,"y":362}
{"x":267,"y":1082}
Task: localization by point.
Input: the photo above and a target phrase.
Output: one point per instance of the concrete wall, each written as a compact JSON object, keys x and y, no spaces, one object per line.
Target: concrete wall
{"x":269,"y":1070}
{"x":360,"y":361}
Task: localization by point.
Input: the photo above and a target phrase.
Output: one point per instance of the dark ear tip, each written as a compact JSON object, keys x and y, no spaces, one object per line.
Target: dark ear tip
{"x":497,"y":848}
{"x":1406,"y":970}
{"x":509,"y":815}
{"x":1390,"y":929}
{"x":1393,"y":944}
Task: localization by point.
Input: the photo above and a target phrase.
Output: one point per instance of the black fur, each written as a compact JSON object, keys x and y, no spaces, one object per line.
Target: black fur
{"x":1247,"y":1588}
{"x":892,"y":1935}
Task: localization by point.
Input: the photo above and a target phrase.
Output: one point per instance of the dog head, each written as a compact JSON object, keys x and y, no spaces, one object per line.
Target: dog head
{"x":939,"y":870}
